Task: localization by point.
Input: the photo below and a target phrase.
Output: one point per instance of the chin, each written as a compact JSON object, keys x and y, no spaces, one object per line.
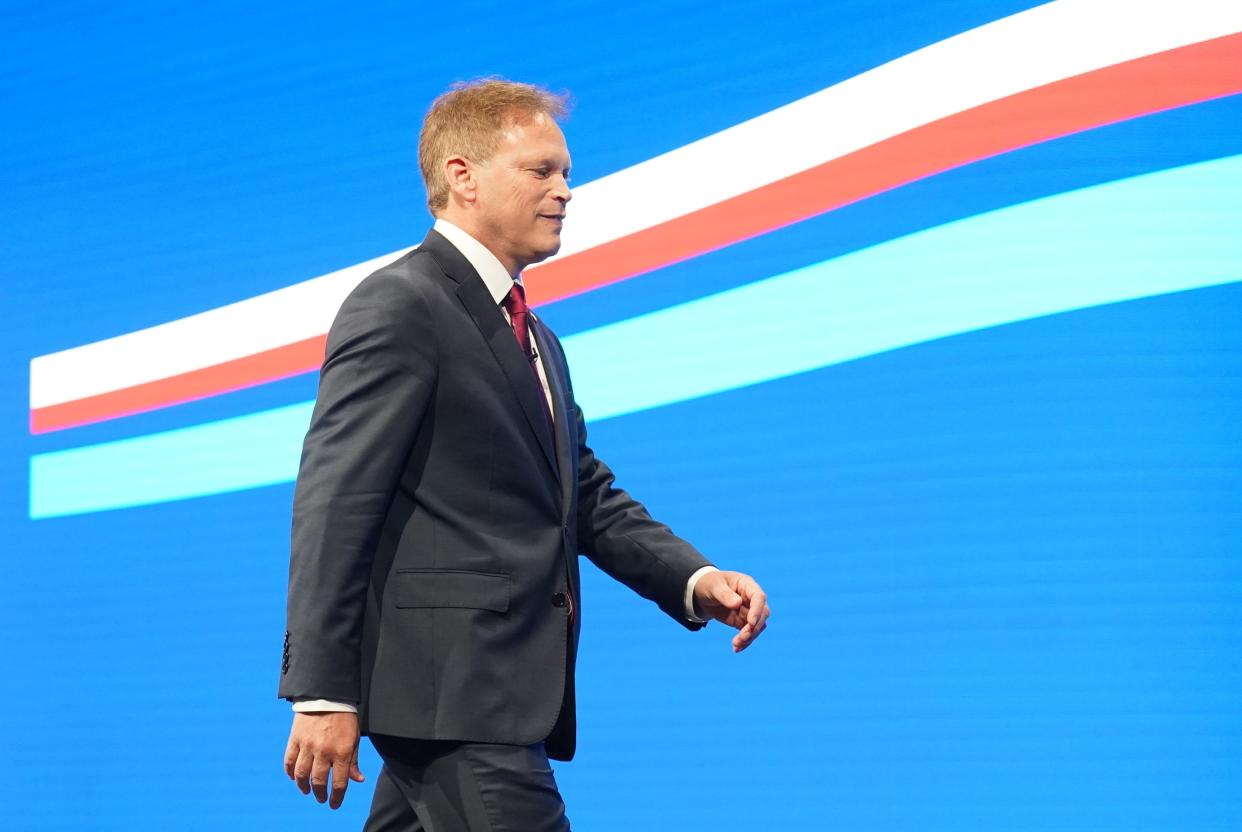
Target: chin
{"x":547,"y":251}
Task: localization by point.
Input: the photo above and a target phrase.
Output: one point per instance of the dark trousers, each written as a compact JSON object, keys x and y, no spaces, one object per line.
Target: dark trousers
{"x":443,"y":786}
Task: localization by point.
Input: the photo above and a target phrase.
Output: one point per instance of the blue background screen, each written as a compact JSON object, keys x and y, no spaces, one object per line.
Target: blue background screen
{"x":963,"y":395}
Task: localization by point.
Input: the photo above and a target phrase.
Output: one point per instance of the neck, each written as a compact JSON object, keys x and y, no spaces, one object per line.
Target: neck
{"x":466,"y":222}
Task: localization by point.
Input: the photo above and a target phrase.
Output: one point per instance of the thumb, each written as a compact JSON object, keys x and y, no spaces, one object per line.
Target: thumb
{"x":355,"y":773}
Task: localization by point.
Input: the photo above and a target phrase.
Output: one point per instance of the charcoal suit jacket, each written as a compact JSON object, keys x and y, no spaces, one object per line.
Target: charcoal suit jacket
{"x":437,"y":522}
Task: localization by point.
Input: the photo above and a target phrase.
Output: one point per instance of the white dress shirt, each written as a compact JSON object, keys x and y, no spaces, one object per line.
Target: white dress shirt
{"x":499,"y":282}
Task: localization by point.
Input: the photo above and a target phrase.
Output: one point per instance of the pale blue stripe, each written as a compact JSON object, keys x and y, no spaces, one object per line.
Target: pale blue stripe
{"x":228,"y":455}
{"x":1162,"y":232}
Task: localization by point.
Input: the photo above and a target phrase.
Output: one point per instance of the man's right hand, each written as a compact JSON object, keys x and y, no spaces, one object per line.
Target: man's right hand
{"x":323,"y":745}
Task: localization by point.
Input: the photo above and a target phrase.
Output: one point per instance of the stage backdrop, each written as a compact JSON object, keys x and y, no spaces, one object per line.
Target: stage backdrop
{"x":925,"y":314}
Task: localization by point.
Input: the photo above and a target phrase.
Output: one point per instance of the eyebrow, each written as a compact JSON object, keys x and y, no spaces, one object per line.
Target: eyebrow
{"x":547,"y":163}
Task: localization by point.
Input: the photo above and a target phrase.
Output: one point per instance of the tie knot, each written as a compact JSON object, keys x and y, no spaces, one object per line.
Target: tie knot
{"x":515,"y":301}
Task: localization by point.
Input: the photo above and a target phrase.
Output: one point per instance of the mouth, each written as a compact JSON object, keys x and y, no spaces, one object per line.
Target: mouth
{"x":559,"y":219}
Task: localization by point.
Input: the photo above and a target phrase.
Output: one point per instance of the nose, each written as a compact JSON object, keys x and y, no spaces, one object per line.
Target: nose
{"x":561,"y":192}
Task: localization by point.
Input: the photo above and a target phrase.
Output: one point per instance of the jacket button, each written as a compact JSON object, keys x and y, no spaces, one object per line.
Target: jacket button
{"x":558,"y":600}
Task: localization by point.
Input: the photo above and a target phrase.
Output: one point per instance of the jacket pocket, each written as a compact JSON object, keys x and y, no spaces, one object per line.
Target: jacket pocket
{"x":413,"y":588}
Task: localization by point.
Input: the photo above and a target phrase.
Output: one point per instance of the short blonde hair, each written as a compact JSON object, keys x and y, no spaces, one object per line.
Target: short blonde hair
{"x":468,"y":120}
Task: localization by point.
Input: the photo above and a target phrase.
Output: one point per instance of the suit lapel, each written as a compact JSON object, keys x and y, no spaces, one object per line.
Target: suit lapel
{"x":557,"y":384}
{"x":473,"y":293}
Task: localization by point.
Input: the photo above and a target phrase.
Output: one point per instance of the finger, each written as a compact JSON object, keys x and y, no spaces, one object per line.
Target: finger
{"x":749,"y":634}
{"x":319,"y":776}
{"x":735,"y":619}
{"x":302,"y":769}
{"x":763,"y":619}
{"x":757,"y":601}
{"x":759,"y":631}
{"x":726,"y":595}
{"x":740,"y":640}
{"x":291,"y":756}
{"x":355,"y":773}
{"x":341,"y":768}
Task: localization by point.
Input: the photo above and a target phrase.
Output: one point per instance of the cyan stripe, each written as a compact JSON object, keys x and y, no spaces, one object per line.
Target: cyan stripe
{"x":228,"y":455}
{"x":1162,"y":232}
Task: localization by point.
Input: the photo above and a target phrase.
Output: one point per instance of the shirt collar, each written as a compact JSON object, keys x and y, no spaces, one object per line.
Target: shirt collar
{"x":495,"y":276}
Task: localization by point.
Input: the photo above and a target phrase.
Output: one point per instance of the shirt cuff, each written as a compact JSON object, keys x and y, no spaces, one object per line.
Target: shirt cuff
{"x":689,"y":597}
{"x":303,"y":706}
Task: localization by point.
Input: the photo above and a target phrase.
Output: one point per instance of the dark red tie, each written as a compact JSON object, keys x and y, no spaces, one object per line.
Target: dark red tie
{"x":515,"y":303}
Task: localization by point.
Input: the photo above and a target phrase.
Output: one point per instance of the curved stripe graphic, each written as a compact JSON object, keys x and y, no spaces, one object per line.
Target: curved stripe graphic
{"x":1025,"y":51}
{"x":1171,"y":79}
{"x":1161,"y":141}
{"x":888,"y":125}
{"x":257,"y":340}
{"x":1153,"y":234}
{"x":218,"y":457}
{"x":261,"y":368}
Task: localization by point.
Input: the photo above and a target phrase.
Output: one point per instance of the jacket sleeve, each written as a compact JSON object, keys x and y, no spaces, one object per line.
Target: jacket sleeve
{"x":620,"y":537}
{"x":378,"y":375}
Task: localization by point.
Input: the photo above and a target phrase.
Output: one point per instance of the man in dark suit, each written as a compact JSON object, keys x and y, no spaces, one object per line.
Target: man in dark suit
{"x":445,"y":492}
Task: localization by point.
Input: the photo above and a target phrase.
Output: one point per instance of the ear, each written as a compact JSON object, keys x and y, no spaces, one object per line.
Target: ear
{"x":460,"y":176}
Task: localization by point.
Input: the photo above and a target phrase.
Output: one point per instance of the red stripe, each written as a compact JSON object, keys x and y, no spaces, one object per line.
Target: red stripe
{"x":1178,"y":77}
{"x":1163,"y":81}
{"x":260,"y":368}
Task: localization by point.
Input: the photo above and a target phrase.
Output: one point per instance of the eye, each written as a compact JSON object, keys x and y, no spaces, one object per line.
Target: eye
{"x":542,"y":173}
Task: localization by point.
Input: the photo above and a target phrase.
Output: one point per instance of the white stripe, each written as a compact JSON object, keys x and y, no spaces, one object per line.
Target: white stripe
{"x":250,"y":326}
{"x":1026,"y":50}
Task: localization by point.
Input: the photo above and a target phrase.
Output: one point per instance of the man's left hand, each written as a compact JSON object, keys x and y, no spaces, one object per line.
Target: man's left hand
{"x":735,"y":599}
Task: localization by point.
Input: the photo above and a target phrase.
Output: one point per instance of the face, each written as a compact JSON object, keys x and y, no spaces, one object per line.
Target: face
{"x":520,"y":194}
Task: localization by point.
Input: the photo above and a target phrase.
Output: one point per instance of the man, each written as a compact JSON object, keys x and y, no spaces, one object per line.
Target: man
{"x":445,"y":492}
